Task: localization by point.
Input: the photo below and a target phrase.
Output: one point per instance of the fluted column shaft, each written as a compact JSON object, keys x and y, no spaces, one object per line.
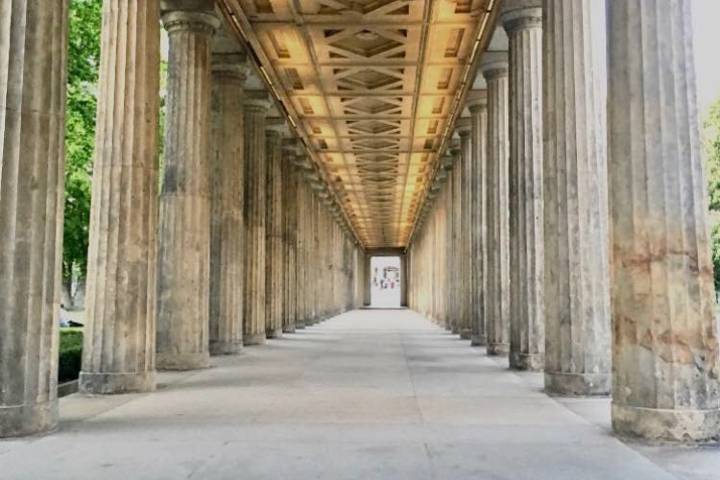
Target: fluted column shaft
{"x":301,"y":319}
{"x":119,"y":334}
{"x":496,"y":305}
{"x":478,"y":219}
{"x":577,"y":291}
{"x":227,"y":227}
{"x":522,"y":21}
{"x":458,"y":305}
{"x":666,"y":364}
{"x":184,"y":242}
{"x":254,"y":216}
{"x":32,"y":114}
{"x":289,"y":232}
{"x":273,"y":226}
{"x":467,"y":262}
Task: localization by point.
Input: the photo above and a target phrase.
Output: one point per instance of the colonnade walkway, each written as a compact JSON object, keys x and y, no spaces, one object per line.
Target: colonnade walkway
{"x":366,"y":395}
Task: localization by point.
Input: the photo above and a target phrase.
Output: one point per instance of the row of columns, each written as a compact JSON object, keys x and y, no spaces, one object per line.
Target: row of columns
{"x":240,"y":242}
{"x":593,"y":254}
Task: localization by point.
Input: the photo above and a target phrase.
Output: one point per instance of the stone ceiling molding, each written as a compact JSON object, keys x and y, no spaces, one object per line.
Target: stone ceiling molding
{"x":372,"y":87}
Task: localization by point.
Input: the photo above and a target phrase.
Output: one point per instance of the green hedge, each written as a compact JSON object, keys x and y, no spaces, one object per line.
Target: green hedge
{"x":71,"y":345}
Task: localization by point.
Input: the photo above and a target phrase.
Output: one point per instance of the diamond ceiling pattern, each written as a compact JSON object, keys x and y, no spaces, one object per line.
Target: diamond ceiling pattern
{"x":372,"y":86}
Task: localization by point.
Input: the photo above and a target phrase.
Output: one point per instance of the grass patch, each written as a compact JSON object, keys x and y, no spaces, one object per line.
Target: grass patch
{"x":71,"y":345}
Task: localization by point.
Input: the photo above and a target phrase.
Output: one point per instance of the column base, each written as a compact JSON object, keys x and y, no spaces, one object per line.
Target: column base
{"x":22,"y":420}
{"x":254,"y":339}
{"x":275,"y":333}
{"x":478,"y":341}
{"x":498,"y":349}
{"x":532,"y":362}
{"x":465,"y":334}
{"x":577,"y":384}
{"x":289,"y":329}
{"x":225,"y":348}
{"x":455,"y":330}
{"x":655,"y":424}
{"x":182,"y":361}
{"x":299,"y":325}
{"x":98,"y":383}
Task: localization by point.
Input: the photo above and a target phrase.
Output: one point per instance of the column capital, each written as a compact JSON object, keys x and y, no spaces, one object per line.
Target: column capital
{"x":257,"y":101}
{"x":477,"y":101}
{"x":521,"y":14}
{"x":230,"y":65}
{"x":193,"y":21}
{"x":463,"y":126}
{"x":494,"y":65}
{"x":454,"y":148}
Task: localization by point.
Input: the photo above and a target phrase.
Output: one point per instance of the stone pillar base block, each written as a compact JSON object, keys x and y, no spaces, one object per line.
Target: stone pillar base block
{"x":478,"y":341}
{"x":225,"y":348}
{"x":655,"y":424}
{"x":299,"y":325}
{"x":183,"y":361}
{"x":277,"y":333}
{"x":466,"y":334}
{"x":289,"y":329}
{"x":255,"y":339}
{"x":22,"y":420}
{"x":577,"y":384}
{"x":532,"y":362}
{"x":498,"y":349}
{"x":116,"y":383}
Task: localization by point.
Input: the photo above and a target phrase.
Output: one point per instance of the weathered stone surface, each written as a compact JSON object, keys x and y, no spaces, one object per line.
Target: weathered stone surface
{"x":478,"y":218}
{"x":273,"y":235}
{"x":32,"y":114}
{"x":119,"y":350}
{"x":289,"y":237}
{"x":458,"y":309}
{"x":577,"y":290}
{"x":465,"y":262}
{"x":666,"y":363}
{"x":227,"y":228}
{"x":184,"y":239}
{"x":254,"y":217}
{"x":522,"y":21}
{"x":496,"y":307}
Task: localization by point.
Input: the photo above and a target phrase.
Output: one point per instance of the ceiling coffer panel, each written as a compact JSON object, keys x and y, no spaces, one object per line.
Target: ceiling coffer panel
{"x":372,"y":86}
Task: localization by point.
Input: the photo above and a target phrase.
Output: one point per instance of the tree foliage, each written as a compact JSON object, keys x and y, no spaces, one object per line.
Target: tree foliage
{"x":712,"y":145}
{"x":83,"y":64}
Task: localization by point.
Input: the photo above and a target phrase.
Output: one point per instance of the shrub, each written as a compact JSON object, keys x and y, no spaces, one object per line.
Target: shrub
{"x":71,"y":345}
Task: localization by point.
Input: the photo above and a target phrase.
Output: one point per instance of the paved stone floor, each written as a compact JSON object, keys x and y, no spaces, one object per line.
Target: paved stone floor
{"x":367,"y":395}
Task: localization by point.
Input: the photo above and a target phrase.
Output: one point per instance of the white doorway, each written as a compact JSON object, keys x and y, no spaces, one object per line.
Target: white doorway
{"x":385,"y":278}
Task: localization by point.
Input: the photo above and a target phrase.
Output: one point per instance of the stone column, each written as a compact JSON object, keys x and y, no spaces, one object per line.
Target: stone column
{"x":254,"y":217}
{"x":273,"y":234}
{"x":184,"y":243}
{"x":289,"y":233}
{"x":301,"y":255}
{"x":457,"y":260}
{"x":496,"y":305}
{"x":367,"y":285}
{"x":466,"y":262}
{"x":522,"y":20}
{"x":666,"y":365}
{"x":119,"y":350}
{"x":478,"y":218}
{"x":32,"y":118}
{"x":227,"y":228}
{"x":577,"y":291}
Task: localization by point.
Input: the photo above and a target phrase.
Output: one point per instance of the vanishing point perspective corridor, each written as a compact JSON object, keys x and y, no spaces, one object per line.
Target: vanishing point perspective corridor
{"x":357,"y":239}
{"x":368,"y":394}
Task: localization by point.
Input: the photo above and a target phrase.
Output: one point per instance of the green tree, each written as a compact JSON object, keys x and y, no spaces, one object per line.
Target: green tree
{"x":83,"y":64}
{"x":712,"y":145}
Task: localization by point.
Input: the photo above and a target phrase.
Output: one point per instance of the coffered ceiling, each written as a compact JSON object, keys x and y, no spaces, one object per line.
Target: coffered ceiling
{"x":372,"y":87}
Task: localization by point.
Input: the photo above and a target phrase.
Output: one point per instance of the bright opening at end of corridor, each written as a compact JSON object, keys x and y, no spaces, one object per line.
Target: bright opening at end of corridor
{"x":385,"y":282}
